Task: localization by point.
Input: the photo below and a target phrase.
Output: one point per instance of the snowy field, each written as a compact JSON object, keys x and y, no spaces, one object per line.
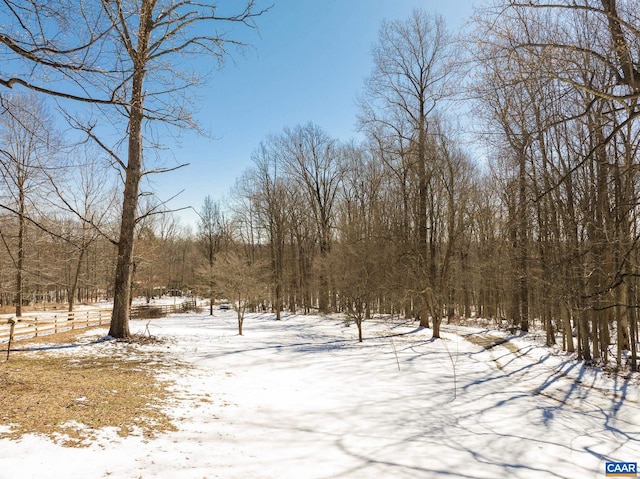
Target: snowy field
{"x":301,"y":398}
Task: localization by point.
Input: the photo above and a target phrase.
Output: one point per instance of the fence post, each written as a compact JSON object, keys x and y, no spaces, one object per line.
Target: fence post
{"x":12,"y":325}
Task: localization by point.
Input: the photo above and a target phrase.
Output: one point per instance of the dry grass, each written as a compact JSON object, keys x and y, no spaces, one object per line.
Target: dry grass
{"x":70,"y":397}
{"x":65,"y":337}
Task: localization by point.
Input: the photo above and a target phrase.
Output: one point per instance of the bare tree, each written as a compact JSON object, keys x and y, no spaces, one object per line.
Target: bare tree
{"x":414,"y":71}
{"x":313,"y":160}
{"x":149,"y":38}
{"x":132,"y":57}
{"x":361,"y":256}
{"x":86,"y":197}
{"x":27,"y":145}
{"x":270,"y":199}
{"x":241,"y":281}
{"x":211,"y":232}
{"x":564,"y":77}
{"x":302,"y":238}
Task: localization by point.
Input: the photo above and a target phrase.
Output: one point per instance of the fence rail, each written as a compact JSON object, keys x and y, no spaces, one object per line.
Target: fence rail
{"x":52,"y":323}
{"x":158,"y":311}
{"x":34,"y":326}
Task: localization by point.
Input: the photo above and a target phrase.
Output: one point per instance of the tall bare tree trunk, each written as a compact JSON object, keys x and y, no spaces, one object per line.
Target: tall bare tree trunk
{"x":523,"y":247}
{"x":632,"y":297}
{"x":124,"y":266}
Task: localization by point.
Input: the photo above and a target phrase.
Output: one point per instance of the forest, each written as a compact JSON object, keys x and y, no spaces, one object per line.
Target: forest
{"x":531,"y":224}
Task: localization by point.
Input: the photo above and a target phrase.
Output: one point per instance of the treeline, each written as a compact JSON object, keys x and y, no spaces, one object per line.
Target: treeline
{"x":558,"y":83}
{"x":59,"y":219}
{"x":409,"y":221}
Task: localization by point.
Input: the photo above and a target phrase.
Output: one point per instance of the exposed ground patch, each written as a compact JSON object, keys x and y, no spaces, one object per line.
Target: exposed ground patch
{"x":70,"y":397}
{"x":489,"y":341}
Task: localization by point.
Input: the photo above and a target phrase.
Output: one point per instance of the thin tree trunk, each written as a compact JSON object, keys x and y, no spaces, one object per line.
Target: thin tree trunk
{"x":211,"y":299}
{"x":20,"y":265}
{"x":583,"y":332}
{"x":523,"y":251}
{"x":240,"y":312}
{"x":71,"y":297}
{"x":568,"y":332}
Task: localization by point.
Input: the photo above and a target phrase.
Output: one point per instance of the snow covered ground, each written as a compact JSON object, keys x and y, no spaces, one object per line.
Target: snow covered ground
{"x":301,"y":398}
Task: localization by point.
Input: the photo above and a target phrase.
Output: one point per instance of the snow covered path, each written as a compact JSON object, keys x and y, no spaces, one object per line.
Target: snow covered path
{"x":301,"y":398}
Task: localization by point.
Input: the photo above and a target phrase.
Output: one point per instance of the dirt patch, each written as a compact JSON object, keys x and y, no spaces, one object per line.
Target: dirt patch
{"x":69,"y":397}
{"x":489,"y":341}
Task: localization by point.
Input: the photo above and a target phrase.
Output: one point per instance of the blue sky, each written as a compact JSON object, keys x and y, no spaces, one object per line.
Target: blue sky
{"x":308,"y":64}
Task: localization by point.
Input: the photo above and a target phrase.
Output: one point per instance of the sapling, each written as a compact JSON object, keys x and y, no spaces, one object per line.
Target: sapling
{"x":454,"y":362}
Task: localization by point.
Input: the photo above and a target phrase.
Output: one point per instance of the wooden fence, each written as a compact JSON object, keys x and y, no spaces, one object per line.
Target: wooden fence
{"x":52,"y":323}
{"x":34,"y":326}
{"x":147,"y":311}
